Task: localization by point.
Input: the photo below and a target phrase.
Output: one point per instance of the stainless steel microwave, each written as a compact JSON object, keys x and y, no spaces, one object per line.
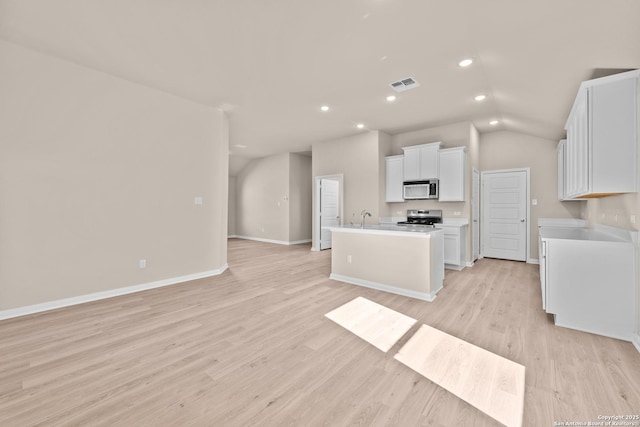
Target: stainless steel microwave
{"x":416,"y":190}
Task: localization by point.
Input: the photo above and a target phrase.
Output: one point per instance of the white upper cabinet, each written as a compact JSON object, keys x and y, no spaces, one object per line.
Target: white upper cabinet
{"x":600,"y":153}
{"x":452,"y":164}
{"x":561,"y":155}
{"x":421,"y":162}
{"x":394,"y":178}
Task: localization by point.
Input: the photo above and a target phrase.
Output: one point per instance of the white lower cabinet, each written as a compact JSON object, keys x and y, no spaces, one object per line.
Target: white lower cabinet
{"x":588,"y":279}
{"x":455,"y":245}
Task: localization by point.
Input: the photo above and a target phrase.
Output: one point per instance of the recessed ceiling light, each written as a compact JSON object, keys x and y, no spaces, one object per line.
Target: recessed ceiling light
{"x":325,"y":108}
{"x":391,"y":98}
{"x":360,"y":126}
{"x":480,"y":97}
{"x":493,"y":122}
{"x":465,"y":62}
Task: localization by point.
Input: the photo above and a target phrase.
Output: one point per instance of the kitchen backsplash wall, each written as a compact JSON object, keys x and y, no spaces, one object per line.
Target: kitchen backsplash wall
{"x":616,"y":211}
{"x":449,"y":209}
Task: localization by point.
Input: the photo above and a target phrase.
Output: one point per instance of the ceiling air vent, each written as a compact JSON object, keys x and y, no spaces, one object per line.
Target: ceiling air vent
{"x":404,"y":84}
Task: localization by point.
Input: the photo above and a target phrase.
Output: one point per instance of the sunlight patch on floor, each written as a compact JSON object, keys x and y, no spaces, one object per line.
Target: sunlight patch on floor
{"x":376,"y":324}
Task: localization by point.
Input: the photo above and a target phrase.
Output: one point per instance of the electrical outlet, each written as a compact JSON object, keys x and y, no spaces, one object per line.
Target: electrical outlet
{"x":349,"y":259}
{"x":198,"y":200}
{"x":456,"y":213}
{"x":534,"y":202}
{"x":632,"y":219}
{"x":142,"y":263}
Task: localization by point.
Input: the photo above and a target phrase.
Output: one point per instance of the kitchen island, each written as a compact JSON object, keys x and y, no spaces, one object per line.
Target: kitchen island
{"x":390,"y":258}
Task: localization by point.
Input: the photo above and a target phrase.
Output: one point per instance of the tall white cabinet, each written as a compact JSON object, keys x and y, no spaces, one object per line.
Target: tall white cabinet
{"x":452,"y":165}
{"x":394,"y":178}
{"x":601,"y":150}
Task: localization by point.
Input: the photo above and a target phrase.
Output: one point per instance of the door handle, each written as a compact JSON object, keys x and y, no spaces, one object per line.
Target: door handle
{"x":522,"y":220}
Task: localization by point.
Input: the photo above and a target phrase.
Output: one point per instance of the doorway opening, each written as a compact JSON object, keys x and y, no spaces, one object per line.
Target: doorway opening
{"x":505,"y":214}
{"x":329,"y":206}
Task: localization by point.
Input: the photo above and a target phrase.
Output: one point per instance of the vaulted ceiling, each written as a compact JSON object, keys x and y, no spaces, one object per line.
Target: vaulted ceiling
{"x":271,"y":64}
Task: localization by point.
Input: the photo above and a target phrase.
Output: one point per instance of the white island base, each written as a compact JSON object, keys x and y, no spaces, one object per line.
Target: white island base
{"x":383,"y":258}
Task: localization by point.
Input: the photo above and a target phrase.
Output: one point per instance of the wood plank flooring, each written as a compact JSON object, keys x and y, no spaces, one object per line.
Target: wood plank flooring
{"x":252,"y":347}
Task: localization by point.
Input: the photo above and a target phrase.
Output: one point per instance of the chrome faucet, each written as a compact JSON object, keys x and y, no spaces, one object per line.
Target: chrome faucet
{"x":363,"y":215}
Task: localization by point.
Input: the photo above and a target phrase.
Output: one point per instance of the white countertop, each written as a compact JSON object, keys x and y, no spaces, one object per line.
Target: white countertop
{"x":601,"y":233}
{"x":386,"y":229}
{"x":562,"y":222}
{"x":456,"y":222}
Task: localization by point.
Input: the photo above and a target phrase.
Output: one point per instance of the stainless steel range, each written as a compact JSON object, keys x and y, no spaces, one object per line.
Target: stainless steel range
{"x":422,"y":218}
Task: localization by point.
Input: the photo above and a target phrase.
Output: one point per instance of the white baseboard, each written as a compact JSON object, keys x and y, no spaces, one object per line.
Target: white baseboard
{"x":635,"y":339}
{"x":277,"y":242}
{"x":300,"y":242}
{"x":533,"y":261}
{"x":52,"y":305}
{"x":470,"y":264}
{"x":386,"y":288}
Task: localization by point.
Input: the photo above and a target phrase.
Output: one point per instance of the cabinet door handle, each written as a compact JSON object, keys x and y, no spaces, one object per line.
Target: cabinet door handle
{"x":522,"y":220}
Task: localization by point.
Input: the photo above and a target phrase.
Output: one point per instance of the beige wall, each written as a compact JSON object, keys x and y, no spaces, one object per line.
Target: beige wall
{"x":262,"y":188}
{"x":510,"y":150}
{"x":97,"y":173}
{"x":273,"y":199}
{"x":300,"y":194}
{"x":358,"y":158}
{"x":385,"y":148}
{"x":231,"y":222}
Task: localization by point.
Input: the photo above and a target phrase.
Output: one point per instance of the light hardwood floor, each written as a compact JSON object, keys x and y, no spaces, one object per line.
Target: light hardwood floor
{"x":252,"y":347}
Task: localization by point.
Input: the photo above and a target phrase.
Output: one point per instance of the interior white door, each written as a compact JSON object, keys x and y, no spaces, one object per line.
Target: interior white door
{"x":329,"y":210}
{"x":475,"y":214}
{"x":504,"y":215}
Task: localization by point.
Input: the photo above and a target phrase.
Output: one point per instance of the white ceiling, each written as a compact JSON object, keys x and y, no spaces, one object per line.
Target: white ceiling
{"x":272,"y":63}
